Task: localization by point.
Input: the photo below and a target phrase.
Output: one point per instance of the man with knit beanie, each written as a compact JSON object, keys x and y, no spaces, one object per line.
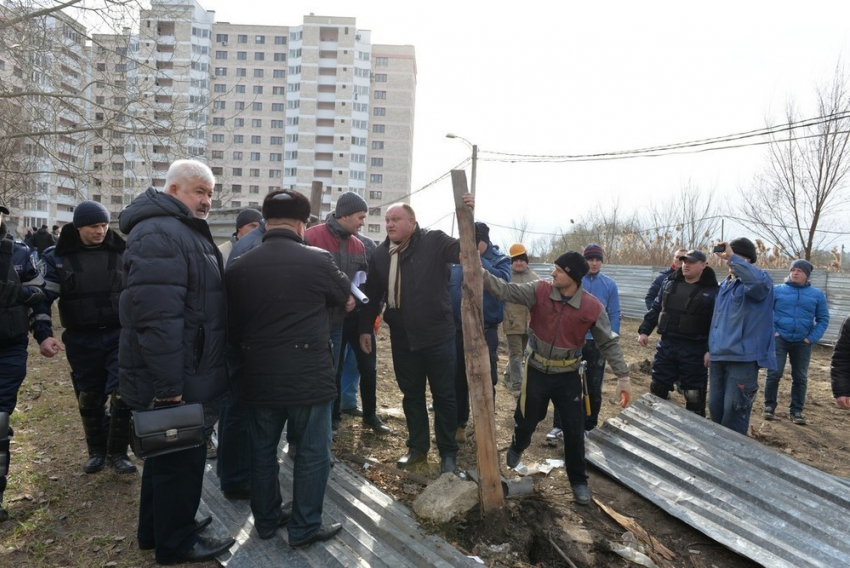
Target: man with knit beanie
{"x":605,"y":290}
{"x":741,"y":337}
{"x":246,"y":221}
{"x":515,"y":324}
{"x":800,"y":318}
{"x":84,"y":273}
{"x":337,"y":235}
{"x":562,"y":313}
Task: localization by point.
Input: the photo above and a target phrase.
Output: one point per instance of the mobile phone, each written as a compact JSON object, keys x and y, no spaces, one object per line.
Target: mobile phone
{"x":719,"y":248}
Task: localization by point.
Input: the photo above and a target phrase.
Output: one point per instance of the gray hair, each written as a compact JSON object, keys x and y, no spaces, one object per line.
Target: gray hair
{"x":184,"y":170}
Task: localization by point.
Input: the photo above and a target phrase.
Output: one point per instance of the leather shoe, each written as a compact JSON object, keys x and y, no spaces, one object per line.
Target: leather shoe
{"x":513,"y":457}
{"x":581,"y":493}
{"x":206,"y":548}
{"x":411,"y":458}
{"x":352,"y":411}
{"x":121,"y":463}
{"x":285,"y":516}
{"x":238,"y":493}
{"x":448,"y":464}
{"x":376,"y":424}
{"x":95,"y":463}
{"x":199,"y":526}
{"x":325,"y":532}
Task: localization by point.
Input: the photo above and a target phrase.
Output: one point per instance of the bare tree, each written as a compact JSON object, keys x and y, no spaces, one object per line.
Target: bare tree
{"x":520,"y":229}
{"x":689,"y":219}
{"x":802,"y":191}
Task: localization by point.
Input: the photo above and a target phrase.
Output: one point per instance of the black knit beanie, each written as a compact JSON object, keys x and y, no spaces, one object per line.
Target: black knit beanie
{"x":90,"y":213}
{"x":574,"y":264}
{"x":744,"y":247}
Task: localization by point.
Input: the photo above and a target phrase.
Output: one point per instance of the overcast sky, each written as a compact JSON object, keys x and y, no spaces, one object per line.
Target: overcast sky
{"x":584,"y":77}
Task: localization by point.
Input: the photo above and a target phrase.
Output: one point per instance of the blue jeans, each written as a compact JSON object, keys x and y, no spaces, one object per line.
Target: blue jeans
{"x":436,"y":364}
{"x":350,"y":380}
{"x":310,"y":429}
{"x":732,"y":388}
{"x":799,"y":353}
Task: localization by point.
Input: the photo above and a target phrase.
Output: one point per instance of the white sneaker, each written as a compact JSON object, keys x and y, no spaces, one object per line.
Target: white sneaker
{"x":554,"y":436}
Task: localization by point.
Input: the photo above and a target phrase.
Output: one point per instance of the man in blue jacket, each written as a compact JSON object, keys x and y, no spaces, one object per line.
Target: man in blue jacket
{"x":605,"y":290}
{"x":662,"y":276}
{"x":800,"y":317}
{"x":498,"y":264}
{"x":741,"y":337}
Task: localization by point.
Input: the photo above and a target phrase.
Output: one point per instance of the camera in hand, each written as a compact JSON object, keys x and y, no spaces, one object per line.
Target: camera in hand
{"x":719,"y":248}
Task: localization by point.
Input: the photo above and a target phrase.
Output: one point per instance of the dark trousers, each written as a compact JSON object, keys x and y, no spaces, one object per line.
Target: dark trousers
{"x":233,"y":463}
{"x":436,"y":365}
{"x":491,"y":336}
{"x":564,"y":390}
{"x":93,"y":357}
{"x":171,"y":492}
{"x":680,"y":361}
{"x":367,"y":365}
{"x":13,"y":369}
{"x":594,"y":376}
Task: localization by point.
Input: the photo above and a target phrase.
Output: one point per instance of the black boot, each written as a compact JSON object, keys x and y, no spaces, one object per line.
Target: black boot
{"x":119,"y":436}
{"x":91,"y":405}
{"x":5,"y":457}
{"x":695,"y":401}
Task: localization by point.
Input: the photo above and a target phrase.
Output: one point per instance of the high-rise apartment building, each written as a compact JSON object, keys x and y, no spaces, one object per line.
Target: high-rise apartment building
{"x":267,"y":107}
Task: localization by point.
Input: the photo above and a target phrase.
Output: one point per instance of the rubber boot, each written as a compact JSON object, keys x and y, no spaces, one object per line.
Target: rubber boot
{"x":695,"y":401}
{"x":92,"y":413}
{"x":119,"y":436}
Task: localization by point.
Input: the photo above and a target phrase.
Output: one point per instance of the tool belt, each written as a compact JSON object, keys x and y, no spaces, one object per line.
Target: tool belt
{"x":555,"y":362}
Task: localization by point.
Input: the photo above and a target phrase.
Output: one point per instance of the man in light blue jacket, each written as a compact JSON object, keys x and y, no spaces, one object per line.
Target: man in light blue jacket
{"x":800,"y":317}
{"x":741,"y":337}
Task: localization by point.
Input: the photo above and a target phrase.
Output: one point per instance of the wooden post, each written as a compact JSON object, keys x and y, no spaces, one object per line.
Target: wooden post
{"x":490,"y":493}
{"x":316,"y":200}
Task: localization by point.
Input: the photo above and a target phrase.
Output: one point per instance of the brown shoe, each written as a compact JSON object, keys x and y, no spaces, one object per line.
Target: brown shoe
{"x":460,"y":435}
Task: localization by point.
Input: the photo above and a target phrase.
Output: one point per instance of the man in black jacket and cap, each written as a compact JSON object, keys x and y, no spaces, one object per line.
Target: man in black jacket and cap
{"x":682,"y":313}
{"x":173,"y":312}
{"x":278,"y":296}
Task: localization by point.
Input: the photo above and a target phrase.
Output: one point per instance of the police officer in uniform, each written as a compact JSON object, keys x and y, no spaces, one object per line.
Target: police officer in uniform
{"x":21,"y":290}
{"x":84,"y":271}
{"x":682,"y":313}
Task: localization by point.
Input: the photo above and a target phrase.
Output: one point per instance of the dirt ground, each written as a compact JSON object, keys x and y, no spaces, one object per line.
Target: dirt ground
{"x":63,"y":517}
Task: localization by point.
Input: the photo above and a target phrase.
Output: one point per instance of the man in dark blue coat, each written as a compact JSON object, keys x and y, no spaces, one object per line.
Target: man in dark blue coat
{"x":662,"y":276}
{"x":278,"y":297}
{"x":22,"y":302}
{"x":173,"y":313}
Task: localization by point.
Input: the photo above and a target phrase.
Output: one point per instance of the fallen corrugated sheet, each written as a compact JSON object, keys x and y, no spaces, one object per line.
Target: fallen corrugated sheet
{"x":754,"y":500}
{"x":377,"y":531}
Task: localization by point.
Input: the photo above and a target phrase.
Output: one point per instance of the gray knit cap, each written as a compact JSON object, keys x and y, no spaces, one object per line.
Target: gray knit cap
{"x":348,"y":204}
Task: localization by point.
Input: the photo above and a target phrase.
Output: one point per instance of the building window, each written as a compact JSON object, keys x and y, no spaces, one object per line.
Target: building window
{"x":376,"y":195}
{"x":381,"y":62}
{"x":276,"y":141}
{"x":241,"y":72}
{"x":256,"y":123}
{"x":279,"y":74}
{"x":380,"y":77}
{"x":374,"y":228}
{"x":236,"y":188}
{"x":217,"y":138}
{"x":255,"y":157}
{"x":238,"y":122}
{"x":221,"y":55}
{"x":220,"y":88}
{"x":380,"y":95}
{"x":276,"y":123}
{"x":278,"y":91}
{"x":221,"y":71}
{"x":378,"y":128}
{"x":280,"y":57}
{"x":258,"y":73}
{"x":221,"y":37}
{"x":241,"y":55}
{"x":239,"y":89}
{"x":236,"y":204}
{"x":256,"y":139}
{"x":238,"y":139}
{"x":218,"y":154}
{"x":376,"y":178}
{"x":259,"y":56}
{"x":255,"y":173}
{"x":257,"y":106}
{"x":258,"y":89}
{"x":280,"y":40}
{"x":237,"y":156}
{"x":259,"y":40}
{"x":277,"y":157}
{"x":377,"y":162}
{"x":242,"y":38}
{"x":374,"y":211}
{"x":278,"y":107}
{"x":239,"y":105}
{"x":377,"y":144}
{"x":379,"y":111}
{"x":237,"y":172}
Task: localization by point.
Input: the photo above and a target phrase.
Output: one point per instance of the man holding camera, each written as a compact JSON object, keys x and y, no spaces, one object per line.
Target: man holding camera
{"x":741,"y":339}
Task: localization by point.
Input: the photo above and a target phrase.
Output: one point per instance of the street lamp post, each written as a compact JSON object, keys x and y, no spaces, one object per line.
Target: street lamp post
{"x":474,"y":159}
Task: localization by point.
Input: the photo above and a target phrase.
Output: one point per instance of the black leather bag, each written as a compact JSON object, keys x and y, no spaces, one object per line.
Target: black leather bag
{"x":159,"y":431}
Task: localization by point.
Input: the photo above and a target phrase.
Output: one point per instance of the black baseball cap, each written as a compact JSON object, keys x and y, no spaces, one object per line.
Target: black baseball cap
{"x":693,"y":256}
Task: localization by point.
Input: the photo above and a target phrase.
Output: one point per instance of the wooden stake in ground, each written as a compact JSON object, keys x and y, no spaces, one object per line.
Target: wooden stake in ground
{"x":490,"y":493}
{"x":316,"y":200}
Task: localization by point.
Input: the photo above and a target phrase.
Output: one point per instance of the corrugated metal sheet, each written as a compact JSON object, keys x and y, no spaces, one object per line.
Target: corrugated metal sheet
{"x":634,"y":281}
{"x":377,"y":531}
{"x":754,"y":500}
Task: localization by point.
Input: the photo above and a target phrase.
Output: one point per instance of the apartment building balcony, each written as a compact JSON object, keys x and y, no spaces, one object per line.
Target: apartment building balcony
{"x":327,"y":63}
{"x":325,"y":131}
{"x":326,"y":80}
{"x":328,"y":46}
{"x":163,"y":55}
{"x":323,"y":165}
{"x":166,"y":40}
{"x":326,"y":97}
{"x":324,"y":114}
{"x":160,"y":166}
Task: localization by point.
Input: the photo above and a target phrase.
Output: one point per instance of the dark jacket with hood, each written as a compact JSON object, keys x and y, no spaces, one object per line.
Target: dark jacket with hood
{"x":173,"y":308}
{"x":278,"y":295}
{"x":22,"y":300}
{"x":682,"y":310}
{"x":425,"y":316}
